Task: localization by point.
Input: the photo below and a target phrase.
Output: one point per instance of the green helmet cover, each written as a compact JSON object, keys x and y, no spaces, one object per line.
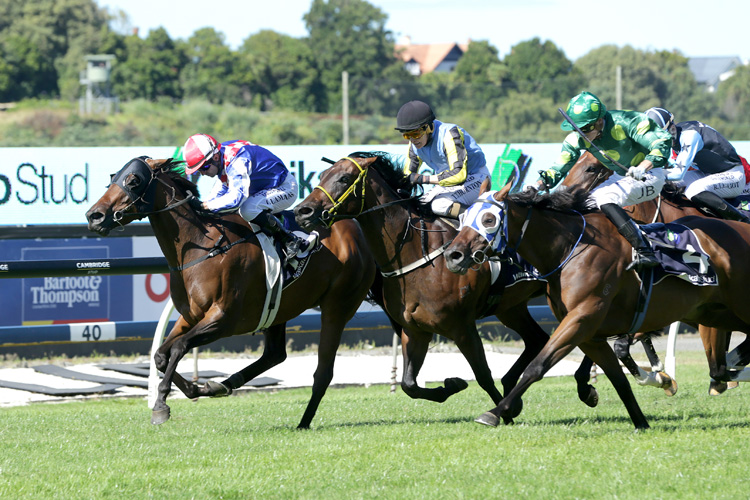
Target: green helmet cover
{"x":583,"y":109}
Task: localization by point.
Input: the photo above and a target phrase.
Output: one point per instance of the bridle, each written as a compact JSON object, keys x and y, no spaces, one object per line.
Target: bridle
{"x":143,"y":193}
{"x":330,"y":216}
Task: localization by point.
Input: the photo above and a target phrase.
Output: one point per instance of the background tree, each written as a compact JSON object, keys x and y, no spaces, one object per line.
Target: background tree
{"x":282,"y":73}
{"x":351,"y":35}
{"x":541,"y":68}
{"x":148,"y":69}
{"x":480,"y":74}
{"x":211,"y":71}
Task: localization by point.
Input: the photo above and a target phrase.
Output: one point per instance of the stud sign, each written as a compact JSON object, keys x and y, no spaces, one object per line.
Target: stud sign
{"x":92,"y":332}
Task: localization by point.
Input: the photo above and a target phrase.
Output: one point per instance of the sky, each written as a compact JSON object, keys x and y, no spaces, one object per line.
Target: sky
{"x":694,"y":27}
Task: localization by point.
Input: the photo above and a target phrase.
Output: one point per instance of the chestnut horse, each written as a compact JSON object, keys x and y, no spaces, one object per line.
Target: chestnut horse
{"x":218,"y":278}
{"x":419,"y":293}
{"x":590,"y":291}
{"x":671,"y":204}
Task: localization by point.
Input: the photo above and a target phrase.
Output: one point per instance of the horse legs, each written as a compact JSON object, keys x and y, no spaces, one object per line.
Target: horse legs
{"x":715,"y":343}
{"x":414,"y":347}
{"x":471,"y":347}
{"x":274,"y":353}
{"x":586,"y":392}
{"x":520,"y":320}
{"x":654,"y":378}
{"x":331,"y":327}
{"x":173,"y":349}
{"x":603,"y":355}
{"x":161,"y":359}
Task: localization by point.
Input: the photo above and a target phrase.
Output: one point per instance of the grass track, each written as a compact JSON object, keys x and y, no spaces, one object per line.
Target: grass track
{"x":366,"y":443}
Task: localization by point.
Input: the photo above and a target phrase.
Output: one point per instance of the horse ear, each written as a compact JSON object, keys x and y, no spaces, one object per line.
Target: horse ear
{"x":500,"y":195}
{"x":486,"y":185}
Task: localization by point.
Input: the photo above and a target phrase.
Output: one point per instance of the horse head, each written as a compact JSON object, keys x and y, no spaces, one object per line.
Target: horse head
{"x":587,"y":173}
{"x":132,"y":195}
{"x":342,"y":189}
{"x":483,"y":231}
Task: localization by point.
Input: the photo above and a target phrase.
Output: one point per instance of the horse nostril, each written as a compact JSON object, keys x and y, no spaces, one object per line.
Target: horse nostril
{"x":456,"y":256}
{"x":302,"y":210}
{"x":95,"y":216}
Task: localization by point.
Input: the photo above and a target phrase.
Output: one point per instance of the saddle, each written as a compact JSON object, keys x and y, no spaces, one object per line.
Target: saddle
{"x":679,"y":253}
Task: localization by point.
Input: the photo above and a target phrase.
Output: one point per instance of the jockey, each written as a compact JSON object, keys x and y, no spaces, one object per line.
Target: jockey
{"x":719,"y":173}
{"x":254,"y":182}
{"x":457,"y":161}
{"x":627,"y":143}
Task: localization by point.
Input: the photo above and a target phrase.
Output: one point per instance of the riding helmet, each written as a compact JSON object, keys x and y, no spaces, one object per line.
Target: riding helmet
{"x":413,"y":115}
{"x":198,"y":149}
{"x":583,"y":109}
{"x":661,"y":117}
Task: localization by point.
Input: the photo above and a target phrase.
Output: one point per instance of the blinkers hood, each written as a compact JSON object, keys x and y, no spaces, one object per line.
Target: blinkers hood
{"x":140,"y":190}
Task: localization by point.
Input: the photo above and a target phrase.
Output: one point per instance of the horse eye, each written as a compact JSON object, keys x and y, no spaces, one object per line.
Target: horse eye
{"x":345,"y":179}
{"x":489,"y":220}
{"x":591,"y":168}
{"x":133,"y":180}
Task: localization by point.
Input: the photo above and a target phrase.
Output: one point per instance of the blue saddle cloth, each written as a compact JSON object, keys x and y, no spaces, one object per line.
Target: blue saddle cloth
{"x":680,"y":254}
{"x":515,"y":269}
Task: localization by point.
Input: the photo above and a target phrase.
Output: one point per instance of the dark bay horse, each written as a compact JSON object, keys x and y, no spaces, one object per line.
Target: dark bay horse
{"x":218,"y":283}
{"x":671,"y":204}
{"x":590,"y":291}
{"x":419,"y":292}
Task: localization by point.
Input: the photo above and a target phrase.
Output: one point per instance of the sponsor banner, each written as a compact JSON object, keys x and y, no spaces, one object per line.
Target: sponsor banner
{"x":73,"y":299}
{"x":150,"y":291}
{"x":58,"y":185}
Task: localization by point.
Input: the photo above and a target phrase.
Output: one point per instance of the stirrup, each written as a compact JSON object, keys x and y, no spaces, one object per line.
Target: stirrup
{"x":642,"y":261}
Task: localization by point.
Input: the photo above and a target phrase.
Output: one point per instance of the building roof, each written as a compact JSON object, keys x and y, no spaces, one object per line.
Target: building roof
{"x":427,"y":55}
{"x":710,"y":70}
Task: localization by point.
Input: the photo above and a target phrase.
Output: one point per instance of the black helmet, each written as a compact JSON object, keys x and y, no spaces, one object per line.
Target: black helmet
{"x":661,"y":117}
{"x":413,"y":115}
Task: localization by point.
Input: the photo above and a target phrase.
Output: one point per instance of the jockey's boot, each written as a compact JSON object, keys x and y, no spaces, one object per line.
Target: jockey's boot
{"x":645,"y":257}
{"x":293,"y":244}
{"x":719,"y":206}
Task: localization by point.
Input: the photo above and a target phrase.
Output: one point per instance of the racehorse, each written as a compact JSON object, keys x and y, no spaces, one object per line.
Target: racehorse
{"x":586,"y":259}
{"x":671,"y":204}
{"x":419,"y":293}
{"x":218,"y":278}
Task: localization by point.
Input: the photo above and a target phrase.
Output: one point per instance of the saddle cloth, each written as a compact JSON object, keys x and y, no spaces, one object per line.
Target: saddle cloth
{"x":680,"y":254}
{"x":280,"y":273}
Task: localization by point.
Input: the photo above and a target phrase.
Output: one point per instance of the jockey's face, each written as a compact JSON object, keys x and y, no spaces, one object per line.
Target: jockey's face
{"x":211,"y":168}
{"x":594,"y":130}
{"x":421,"y":138}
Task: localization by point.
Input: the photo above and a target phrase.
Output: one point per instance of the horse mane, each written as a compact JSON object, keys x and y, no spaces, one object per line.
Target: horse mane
{"x":175,"y":170}
{"x":560,"y":200}
{"x":392,"y":173}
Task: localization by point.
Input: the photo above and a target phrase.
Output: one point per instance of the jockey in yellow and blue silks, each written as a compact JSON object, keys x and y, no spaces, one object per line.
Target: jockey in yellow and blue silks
{"x":635,"y":149}
{"x":254,"y":182}
{"x":457,"y":161}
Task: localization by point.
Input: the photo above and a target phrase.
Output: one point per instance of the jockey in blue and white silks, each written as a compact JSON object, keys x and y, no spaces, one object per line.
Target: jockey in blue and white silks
{"x":254,"y":182}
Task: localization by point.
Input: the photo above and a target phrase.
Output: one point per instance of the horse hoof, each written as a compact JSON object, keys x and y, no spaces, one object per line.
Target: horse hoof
{"x":733,"y":384}
{"x":669,"y":386}
{"x":159,"y":416}
{"x":217,"y":389}
{"x":487,"y":418}
{"x":455,"y":384}
{"x":592,"y":399}
{"x":717,"y":388}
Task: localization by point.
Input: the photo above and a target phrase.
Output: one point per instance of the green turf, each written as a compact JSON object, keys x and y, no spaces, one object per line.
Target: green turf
{"x":367,"y":443}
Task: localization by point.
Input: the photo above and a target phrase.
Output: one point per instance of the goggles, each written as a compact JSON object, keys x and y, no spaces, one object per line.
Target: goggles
{"x":588,"y":128}
{"x":412,"y":135}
